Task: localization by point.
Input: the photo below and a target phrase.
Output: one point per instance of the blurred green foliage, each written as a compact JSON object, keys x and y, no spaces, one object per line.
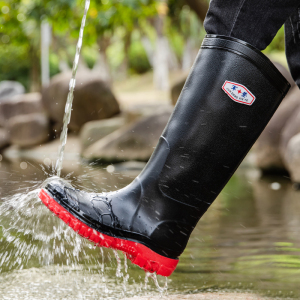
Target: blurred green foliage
{"x":138,"y":60}
{"x":113,"y":27}
{"x":16,"y":65}
{"x":20,"y":22}
{"x":278,"y":42}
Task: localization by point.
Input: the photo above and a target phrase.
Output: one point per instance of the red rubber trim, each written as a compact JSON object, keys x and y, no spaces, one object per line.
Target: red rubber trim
{"x":139,"y":254}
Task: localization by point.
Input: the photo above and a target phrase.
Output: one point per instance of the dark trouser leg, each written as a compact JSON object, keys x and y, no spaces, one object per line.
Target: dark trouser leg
{"x":292,"y":40}
{"x":253,"y":21}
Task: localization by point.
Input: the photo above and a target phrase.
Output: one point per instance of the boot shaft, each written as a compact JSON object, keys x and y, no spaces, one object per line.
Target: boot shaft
{"x":230,"y":95}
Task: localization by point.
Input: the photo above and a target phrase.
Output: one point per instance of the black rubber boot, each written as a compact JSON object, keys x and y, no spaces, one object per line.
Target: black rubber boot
{"x":231,"y":94}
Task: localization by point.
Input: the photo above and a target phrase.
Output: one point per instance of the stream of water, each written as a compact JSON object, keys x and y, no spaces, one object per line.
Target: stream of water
{"x":68,"y":108}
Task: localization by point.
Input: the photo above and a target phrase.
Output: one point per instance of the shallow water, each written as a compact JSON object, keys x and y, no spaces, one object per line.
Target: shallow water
{"x":248,"y":241}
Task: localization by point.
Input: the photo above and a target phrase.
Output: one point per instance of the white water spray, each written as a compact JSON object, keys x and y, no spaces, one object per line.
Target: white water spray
{"x":154,"y":278}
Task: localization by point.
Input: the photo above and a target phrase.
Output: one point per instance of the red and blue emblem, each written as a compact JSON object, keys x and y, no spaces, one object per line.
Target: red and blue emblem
{"x":238,"y":93}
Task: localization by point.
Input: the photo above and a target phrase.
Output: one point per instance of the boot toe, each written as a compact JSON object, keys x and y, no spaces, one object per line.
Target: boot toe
{"x":63,"y":192}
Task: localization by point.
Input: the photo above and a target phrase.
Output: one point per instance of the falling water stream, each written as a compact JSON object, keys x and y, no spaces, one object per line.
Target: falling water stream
{"x":68,"y":108}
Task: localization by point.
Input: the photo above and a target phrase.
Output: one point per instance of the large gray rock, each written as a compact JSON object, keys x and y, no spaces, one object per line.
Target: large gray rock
{"x":21,"y":105}
{"x":176,"y":90}
{"x":136,"y":112}
{"x":9,"y":89}
{"x":291,"y":128}
{"x":267,"y":147}
{"x":93,"y":99}
{"x":94,"y":131}
{"x":4,"y":138}
{"x":28,"y":130}
{"x":47,"y":154}
{"x":292,"y":157}
{"x":134,"y":142}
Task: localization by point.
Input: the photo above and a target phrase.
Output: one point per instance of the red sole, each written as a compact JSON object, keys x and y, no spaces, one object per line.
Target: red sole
{"x":137,"y":253}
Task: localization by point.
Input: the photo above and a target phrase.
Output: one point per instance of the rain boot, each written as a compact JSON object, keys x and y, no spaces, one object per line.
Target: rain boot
{"x":229,"y":97}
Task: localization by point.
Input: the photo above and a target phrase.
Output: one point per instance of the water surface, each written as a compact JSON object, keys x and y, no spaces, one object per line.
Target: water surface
{"x":248,"y":241}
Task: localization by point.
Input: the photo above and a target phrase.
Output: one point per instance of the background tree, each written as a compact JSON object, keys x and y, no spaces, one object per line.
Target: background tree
{"x":121,"y":37}
{"x":116,"y":18}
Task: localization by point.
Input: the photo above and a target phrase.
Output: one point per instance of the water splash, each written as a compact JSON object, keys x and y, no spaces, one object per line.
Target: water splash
{"x":119,"y":265}
{"x":153,"y":276}
{"x":102,"y":265}
{"x":40,"y":255}
{"x":125,"y":264}
{"x":68,"y":108}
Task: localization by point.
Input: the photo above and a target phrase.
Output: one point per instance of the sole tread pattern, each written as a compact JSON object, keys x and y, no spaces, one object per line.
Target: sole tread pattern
{"x":137,"y":253}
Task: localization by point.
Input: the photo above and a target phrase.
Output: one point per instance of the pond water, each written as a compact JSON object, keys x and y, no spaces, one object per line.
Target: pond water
{"x":248,"y":241}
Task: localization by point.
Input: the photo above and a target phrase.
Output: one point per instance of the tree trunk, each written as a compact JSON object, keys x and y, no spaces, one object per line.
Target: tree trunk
{"x":148,"y":49}
{"x":187,"y":58}
{"x":172,"y":58}
{"x":35,"y":84}
{"x":200,"y":7}
{"x":161,"y":61}
{"x":161,"y":65}
{"x":125,"y":63}
{"x":45,"y":59}
{"x":102,"y":65}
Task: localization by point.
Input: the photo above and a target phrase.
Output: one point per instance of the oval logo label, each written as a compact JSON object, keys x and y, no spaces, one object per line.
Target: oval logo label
{"x":238,"y":93}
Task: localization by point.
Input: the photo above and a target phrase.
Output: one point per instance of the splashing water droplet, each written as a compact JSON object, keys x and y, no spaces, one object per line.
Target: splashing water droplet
{"x":147,"y":275}
{"x":154,"y":278}
{"x":119,"y":265}
{"x":125,"y":264}
{"x":23,"y":165}
{"x":126,"y":277}
{"x":102,"y":265}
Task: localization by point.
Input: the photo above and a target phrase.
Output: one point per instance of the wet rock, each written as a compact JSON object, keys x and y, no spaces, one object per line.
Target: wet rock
{"x":269,"y":200}
{"x":21,"y":105}
{"x":134,"y":142}
{"x":4,"y":138}
{"x":47,"y":154}
{"x":93,"y":99}
{"x":9,"y":89}
{"x":94,"y":131}
{"x":134,"y":113}
{"x":176,"y":90}
{"x":28,"y":130}
{"x":292,"y":157}
{"x":291,"y":128}
{"x":267,"y":147}
{"x":126,"y":167}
